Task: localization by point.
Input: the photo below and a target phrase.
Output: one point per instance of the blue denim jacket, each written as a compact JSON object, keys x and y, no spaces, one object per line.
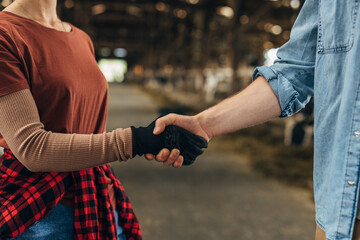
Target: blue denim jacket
{"x":322,"y":60}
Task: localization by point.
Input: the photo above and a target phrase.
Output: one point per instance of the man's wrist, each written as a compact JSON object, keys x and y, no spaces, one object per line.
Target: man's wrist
{"x":204,"y":123}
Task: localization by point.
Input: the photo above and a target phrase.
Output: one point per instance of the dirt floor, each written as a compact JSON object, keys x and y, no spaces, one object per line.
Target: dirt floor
{"x":269,"y":155}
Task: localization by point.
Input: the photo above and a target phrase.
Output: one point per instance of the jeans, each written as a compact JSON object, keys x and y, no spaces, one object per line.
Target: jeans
{"x":58,"y":225}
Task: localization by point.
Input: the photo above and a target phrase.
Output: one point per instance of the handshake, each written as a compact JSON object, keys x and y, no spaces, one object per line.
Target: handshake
{"x":189,"y":144}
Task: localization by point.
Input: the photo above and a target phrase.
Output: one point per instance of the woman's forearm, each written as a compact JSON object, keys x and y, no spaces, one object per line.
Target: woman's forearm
{"x":44,"y":151}
{"x":254,"y":105}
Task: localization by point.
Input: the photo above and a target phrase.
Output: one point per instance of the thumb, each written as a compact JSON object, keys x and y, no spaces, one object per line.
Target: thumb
{"x":162,"y":122}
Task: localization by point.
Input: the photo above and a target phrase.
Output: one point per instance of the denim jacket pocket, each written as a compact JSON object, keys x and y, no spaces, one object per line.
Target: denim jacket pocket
{"x":337,"y":21}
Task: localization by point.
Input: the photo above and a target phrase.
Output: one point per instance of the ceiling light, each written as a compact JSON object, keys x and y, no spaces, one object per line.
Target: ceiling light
{"x":105,"y":52}
{"x":225,"y":11}
{"x":98,"y":9}
{"x":6,"y":3}
{"x":244,"y":19}
{"x":193,"y":1}
{"x":180,"y":13}
{"x":120,"y":52}
{"x":295,"y":4}
{"x":276,"y":29}
{"x":69,"y":3}
{"x":161,"y":7}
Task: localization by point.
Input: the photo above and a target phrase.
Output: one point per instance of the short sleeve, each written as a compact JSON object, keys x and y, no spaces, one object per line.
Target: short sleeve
{"x":12,"y":77}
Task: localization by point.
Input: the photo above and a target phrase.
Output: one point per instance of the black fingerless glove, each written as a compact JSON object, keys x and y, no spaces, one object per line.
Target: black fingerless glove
{"x":189,"y":144}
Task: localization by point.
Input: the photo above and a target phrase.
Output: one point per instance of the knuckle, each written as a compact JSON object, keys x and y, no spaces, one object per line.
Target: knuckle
{"x":174,"y":156}
{"x":172,"y":117}
{"x":159,"y":158}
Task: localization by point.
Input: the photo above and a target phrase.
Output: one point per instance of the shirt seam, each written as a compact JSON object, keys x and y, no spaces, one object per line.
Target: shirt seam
{"x":13,"y":88}
{"x":347,"y":161}
{"x":11,"y":41}
{"x":19,"y":56}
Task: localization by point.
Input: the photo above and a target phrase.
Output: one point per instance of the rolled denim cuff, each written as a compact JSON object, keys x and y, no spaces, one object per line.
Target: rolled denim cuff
{"x":283,"y":89}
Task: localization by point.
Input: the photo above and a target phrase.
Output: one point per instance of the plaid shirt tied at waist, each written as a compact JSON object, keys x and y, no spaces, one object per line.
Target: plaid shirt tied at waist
{"x":27,"y":197}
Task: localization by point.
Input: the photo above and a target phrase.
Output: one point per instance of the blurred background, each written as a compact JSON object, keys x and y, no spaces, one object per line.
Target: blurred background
{"x":182,"y":56}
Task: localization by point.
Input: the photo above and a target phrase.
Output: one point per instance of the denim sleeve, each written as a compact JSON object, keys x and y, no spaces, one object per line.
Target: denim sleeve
{"x":292,"y":75}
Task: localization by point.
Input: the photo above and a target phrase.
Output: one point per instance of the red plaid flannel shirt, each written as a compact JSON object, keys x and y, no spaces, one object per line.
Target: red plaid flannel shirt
{"x":27,"y":197}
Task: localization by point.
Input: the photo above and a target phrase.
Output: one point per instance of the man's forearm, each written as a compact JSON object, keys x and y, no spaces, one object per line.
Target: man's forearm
{"x":254,"y":105}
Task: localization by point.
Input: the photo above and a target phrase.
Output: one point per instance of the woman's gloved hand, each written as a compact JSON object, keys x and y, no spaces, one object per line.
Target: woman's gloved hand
{"x":189,"y":144}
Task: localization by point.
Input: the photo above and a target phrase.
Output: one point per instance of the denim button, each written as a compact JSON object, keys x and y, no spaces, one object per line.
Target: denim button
{"x":351,"y":183}
{"x":357,"y":133}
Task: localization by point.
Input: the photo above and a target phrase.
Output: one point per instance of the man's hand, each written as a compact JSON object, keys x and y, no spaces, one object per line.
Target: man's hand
{"x":168,"y":158}
{"x":190,"y":123}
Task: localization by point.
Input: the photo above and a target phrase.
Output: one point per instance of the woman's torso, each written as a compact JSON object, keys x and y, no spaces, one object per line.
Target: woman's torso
{"x":69,"y":89}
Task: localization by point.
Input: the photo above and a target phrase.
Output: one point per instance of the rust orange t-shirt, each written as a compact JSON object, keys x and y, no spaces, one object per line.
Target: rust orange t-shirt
{"x":60,"y":70}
